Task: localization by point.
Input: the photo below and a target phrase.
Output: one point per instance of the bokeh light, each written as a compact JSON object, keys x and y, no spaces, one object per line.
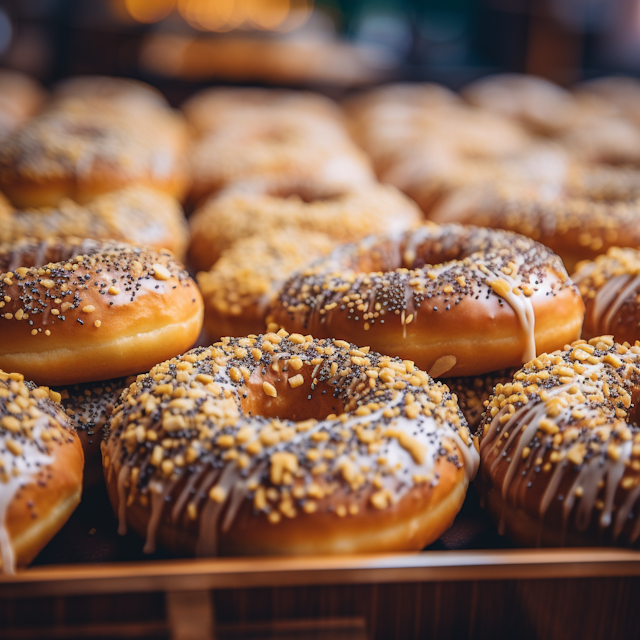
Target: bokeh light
{"x":150,"y":11}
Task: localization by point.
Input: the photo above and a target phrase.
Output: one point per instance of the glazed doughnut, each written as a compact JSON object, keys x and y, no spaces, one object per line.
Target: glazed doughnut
{"x":301,"y":148}
{"x":81,"y":310}
{"x":282,"y":444}
{"x":213,"y":108}
{"x":610,"y":287}
{"x":576,"y":224}
{"x":238,"y":289}
{"x":88,"y":407}
{"x":540,"y":105}
{"x":80,"y":149}
{"x":135,"y":214}
{"x":473,"y":393}
{"x":457,"y":300}
{"x":41,"y":470}
{"x":255,"y":208}
{"x":20,"y":98}
{"x":560,"y":448}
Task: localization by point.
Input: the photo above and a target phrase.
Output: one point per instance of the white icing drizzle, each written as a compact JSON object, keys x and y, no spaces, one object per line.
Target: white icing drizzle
{"x":620,"y":299}
{"x":598,"y":472}
{"x":523,"y":308}
{"x":605,"y":296}
{"x":20,"y":470}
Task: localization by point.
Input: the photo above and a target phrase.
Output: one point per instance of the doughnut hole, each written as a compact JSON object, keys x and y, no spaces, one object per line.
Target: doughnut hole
{"x":295,"y":400}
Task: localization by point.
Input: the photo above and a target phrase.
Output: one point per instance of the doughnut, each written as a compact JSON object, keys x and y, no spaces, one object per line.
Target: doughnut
{"x":40,"y":470}
{"x":473,"y":393}
{"x":238,"y":289}
{"x":124,"y":94}
{"x":430,"y":174}
{"x":135,"y":214}
{"x":80,"y":149}
{"x":88,"y":407}
{"x":81,"y":310}
{"x":398,"y":132}
{"x":618,"y":92}
{"x":20,"y":98}
{"x":560,"y":448}
{"x":540,"y":105}
{"x":601,"y":138}
{"x":457,"y":300}
{"x":285,"y":444}
{"x":577,"y":223}
{"x":213,"y":108}
{"x":270,"y":146}
{"x":610,"y":287}
{"x":256,"y":207}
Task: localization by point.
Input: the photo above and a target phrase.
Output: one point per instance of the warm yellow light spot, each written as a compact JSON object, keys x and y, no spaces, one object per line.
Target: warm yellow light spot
{"x":269,"y":14}
{"x":149,"y":11}
{"x":212,"y":15}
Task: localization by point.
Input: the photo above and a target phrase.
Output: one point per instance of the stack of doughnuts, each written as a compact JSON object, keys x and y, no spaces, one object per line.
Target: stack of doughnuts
{"x":90,"y":290}
{"x":80,"y":311}
{"x":285,"y":436}
{"x":514,"y":152}
{"x":458,"y":301}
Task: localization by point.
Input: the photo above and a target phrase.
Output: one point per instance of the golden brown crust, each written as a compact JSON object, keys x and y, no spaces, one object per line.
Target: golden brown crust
{"x":610,"y":287}
{"x":135,"y":214}
{"x":494,"y":288}
{"x":560,"y":448}
{"x":94,"y":310}
{"x":368,"y":453}
{"x":41,"y":473}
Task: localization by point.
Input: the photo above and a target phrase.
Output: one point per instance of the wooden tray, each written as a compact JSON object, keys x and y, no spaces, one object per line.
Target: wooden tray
{"x":90,"y":582}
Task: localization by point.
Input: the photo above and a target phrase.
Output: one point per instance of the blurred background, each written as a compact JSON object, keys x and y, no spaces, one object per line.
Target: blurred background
{"x":330,"y":45}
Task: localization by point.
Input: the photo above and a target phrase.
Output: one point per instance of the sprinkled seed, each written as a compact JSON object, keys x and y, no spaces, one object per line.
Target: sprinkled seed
{"x":160,"y":272}
{"x":295,"y":381}
{"x":218,"y":494}
{"x":269,"y":389}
